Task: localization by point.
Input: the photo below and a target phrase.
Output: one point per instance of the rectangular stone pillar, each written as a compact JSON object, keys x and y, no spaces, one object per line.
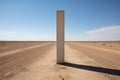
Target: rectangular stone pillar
{"x":60,"y":36}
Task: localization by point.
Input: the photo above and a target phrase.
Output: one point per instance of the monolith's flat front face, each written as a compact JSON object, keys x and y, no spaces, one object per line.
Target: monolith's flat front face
{"x":60,"y":36}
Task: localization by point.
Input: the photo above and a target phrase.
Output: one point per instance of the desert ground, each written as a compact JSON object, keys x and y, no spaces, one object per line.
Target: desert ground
{"x":35,"y":60}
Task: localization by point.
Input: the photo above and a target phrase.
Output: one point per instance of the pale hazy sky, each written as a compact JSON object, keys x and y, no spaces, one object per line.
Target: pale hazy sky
{"x":36,"y":19}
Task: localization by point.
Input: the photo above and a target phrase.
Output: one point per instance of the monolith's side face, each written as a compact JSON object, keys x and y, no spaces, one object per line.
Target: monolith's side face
{"x":60,"y":36}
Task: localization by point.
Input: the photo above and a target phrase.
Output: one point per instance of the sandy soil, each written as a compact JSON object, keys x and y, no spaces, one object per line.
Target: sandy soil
{"x":12,"y":45}
{"x":84,"y":61}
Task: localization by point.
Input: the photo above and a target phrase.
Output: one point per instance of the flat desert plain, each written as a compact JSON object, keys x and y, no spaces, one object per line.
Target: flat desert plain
{"x":35,"y":60}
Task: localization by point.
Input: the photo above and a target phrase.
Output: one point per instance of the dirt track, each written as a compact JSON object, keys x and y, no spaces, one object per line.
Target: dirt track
{"x":83,"y":62}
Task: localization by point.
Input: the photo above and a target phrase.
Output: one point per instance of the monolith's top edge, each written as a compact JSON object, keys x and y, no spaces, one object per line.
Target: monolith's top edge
{"x":60,"y":10}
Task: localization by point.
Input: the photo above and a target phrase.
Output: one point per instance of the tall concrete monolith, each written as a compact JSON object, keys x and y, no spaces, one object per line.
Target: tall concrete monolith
{"x":60,"y":36}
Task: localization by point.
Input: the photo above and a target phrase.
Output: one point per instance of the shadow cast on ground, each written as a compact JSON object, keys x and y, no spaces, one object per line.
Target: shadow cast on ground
{"x":93,"y":68}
